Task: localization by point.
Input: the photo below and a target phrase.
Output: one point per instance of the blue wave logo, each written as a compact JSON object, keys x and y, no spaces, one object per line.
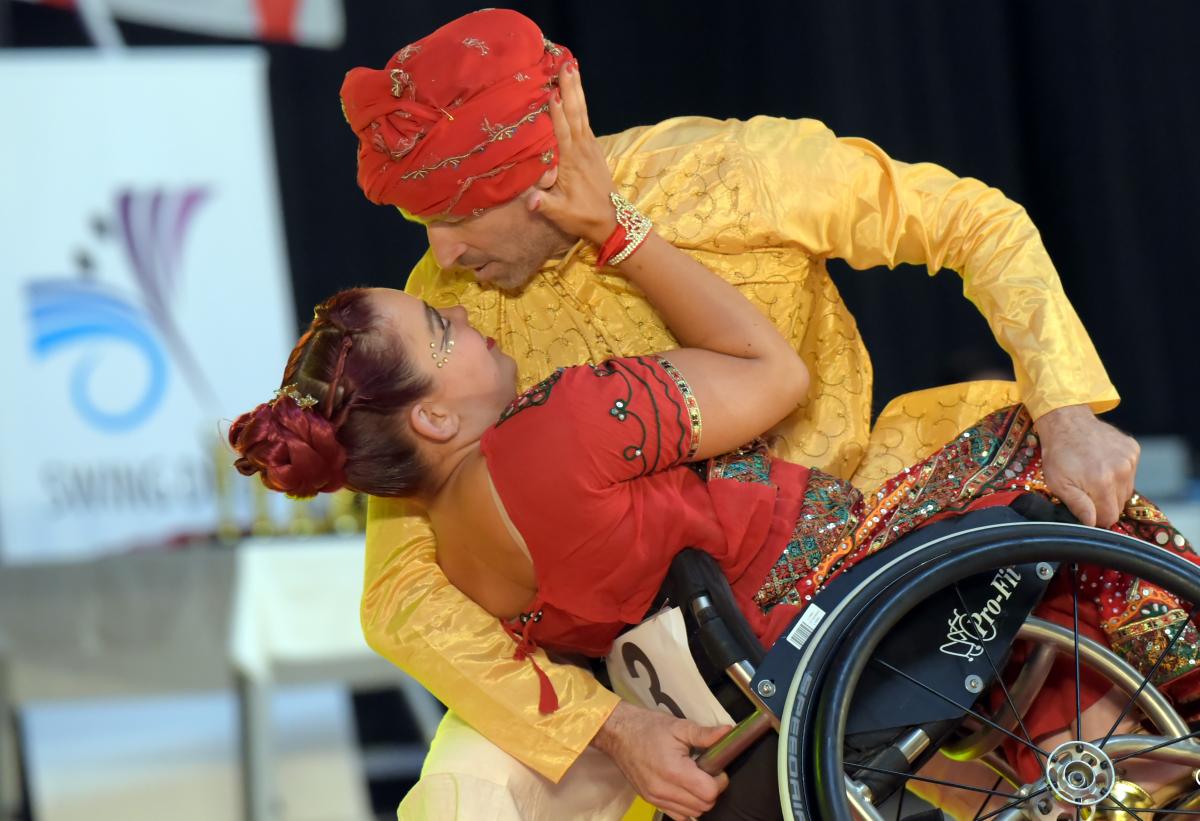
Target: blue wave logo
{"x":70,"y":312}
{"x":81,"y":313}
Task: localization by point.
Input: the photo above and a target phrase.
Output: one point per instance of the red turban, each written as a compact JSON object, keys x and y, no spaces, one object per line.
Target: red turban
{"x":459,"y":120}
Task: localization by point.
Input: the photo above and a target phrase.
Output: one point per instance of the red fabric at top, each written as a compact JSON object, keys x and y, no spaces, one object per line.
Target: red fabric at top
{"x":590,"y":468}
{"x":459,"y":120}
{"x":277,"y":19}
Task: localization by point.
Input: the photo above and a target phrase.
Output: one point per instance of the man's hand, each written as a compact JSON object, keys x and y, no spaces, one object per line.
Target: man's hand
{"x":1088,"y":464}
{"x":653,"y":750}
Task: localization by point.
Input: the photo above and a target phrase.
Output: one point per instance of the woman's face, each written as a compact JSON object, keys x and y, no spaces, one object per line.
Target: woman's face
{"x":475,"y":377}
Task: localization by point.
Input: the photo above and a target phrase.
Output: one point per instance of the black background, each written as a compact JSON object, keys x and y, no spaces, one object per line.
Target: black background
{"x":1085,"y":112}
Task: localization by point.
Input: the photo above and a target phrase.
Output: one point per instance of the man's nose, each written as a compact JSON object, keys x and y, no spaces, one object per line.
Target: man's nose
{"x":447,"y":249}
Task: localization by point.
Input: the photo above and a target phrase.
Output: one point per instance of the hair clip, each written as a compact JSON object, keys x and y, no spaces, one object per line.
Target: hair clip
{"x":292,"y":392}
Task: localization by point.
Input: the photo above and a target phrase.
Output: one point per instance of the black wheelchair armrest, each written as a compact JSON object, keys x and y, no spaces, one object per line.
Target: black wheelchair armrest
{"x":697,"y":585}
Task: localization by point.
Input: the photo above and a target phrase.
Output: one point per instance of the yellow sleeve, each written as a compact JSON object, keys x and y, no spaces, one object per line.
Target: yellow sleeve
{"x":413,"y":617}
{"x":846,"y":198}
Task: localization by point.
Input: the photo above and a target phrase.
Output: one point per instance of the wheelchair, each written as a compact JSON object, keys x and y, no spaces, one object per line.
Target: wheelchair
{"x":907,"y":655}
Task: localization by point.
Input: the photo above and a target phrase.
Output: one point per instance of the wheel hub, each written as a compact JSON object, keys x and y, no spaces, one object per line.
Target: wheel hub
{"x":1080,"y":773}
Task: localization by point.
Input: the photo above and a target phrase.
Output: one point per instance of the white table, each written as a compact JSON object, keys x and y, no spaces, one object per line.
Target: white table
{"x":249,"y":617}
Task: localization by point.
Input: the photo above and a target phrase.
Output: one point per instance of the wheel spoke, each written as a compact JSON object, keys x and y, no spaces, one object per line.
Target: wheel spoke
{"x":1159,"y":809}
{"x":928,"y":780}
{"x":1146,"y":679}
{"x":968,"y":710}
{"x":1158,"y":746}
{"x":1168,"y":810}
{"x":1018,"y":800}
{"x":1078,"y":688}
{"x":1078,"y":682}
{"x":996,"y":674}
{"x":983,"y":806}
{"x":1120,"y":804}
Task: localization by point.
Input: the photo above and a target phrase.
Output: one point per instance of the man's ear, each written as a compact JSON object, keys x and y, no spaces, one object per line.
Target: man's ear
{"x":433,"y":422}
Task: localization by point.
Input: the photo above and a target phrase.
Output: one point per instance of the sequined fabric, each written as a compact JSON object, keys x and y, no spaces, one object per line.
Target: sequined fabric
{"x":1141,"y":620}
{"x":838,"y":526}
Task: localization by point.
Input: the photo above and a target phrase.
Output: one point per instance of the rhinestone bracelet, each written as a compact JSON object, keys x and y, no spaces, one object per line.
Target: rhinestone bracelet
{"x":632,"y":229}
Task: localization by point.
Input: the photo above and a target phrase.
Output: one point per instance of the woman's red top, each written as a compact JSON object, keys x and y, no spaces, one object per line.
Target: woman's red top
{"x":592,"y":467}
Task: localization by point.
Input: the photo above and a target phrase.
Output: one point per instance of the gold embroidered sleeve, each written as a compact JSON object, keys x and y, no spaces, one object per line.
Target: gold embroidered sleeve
{"x":689,"y":402}
{"x":846,"y":198}
{"x":412,"y":616}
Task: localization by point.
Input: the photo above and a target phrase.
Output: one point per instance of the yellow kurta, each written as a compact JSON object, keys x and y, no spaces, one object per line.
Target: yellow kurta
{"x":763,"y":203}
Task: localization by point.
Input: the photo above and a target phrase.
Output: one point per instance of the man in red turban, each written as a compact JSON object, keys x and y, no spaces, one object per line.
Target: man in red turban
{"x":453,"y":130}
{"x":457,"y":124}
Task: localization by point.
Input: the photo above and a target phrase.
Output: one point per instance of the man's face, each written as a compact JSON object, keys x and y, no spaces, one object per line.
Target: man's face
{"x":504,"y":246}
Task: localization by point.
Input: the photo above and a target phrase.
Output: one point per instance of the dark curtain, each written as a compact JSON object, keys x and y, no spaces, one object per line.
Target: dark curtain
{"x":1082,"y":110}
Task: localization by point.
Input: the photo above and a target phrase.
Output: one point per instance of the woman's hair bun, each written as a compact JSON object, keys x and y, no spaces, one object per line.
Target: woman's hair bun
{"x":294,"y":449}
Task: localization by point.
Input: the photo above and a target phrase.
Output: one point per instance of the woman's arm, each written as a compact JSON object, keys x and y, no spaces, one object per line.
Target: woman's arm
{"x":744,"y":374}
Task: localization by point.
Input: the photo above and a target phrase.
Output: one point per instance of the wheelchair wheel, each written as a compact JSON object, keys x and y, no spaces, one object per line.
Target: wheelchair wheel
{"x":1081,"y":778}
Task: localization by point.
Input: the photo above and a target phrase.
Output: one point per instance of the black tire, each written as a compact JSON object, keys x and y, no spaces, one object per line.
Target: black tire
{"x":814,"y":721}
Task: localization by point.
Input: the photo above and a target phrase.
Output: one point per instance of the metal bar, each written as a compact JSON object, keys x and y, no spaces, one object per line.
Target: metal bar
{"x":255,"y":748}
{"x":1181,"y":751}
{"x":1153,"y":703}
{"x":10,"y":775}
{"x":860,"y":800}
{"x":1007,"y":811}
{"x":742,"y":673}
{"x":949,"y":700}
{"x":1024,"y":691}
{"x":913,"y":744}
{"x":926,"y":779}
{"x":717,"y":757}
{"x":1001,"y":768}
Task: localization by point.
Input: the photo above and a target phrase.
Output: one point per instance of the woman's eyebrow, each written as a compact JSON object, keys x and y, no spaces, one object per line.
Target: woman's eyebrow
{"x":435,"y":322}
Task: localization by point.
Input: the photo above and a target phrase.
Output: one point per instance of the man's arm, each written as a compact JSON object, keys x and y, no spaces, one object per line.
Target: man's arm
{"x":412,"y":616}
{"x":847,"y":198}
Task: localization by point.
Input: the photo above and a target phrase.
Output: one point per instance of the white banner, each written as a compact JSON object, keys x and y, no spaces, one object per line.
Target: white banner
{"x":145,"y":290}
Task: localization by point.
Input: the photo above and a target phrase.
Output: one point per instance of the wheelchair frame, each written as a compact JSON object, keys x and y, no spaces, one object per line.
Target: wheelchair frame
{"x":825,"y":670}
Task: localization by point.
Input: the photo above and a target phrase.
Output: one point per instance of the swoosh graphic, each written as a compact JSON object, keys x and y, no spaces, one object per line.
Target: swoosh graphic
{"x":68,"y":313}
{"x":152,"y":227}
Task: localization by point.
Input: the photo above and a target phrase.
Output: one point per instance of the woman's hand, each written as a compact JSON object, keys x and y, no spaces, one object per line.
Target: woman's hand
{"x":577,"y":200}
